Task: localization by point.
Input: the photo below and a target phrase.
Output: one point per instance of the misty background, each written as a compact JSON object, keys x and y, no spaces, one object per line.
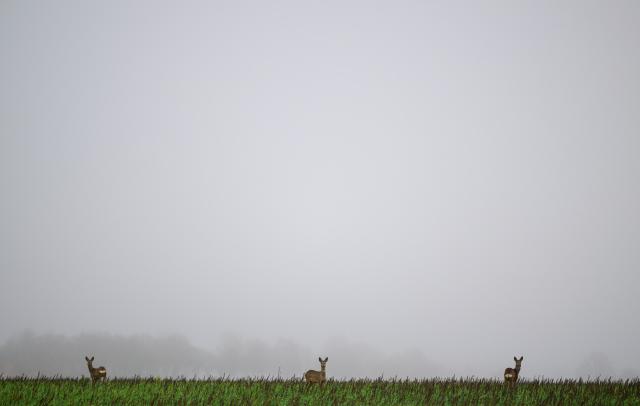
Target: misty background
{"x":409,"y":188}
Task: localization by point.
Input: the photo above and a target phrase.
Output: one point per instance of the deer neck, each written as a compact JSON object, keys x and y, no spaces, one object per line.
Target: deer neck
{"x":323,"y":370}
{"x":517,"y":369}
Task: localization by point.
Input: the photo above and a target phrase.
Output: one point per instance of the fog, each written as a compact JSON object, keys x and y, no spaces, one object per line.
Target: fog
{"x":28,"y":354}
{"x":173,"y":356}
{"x":409,"y":188}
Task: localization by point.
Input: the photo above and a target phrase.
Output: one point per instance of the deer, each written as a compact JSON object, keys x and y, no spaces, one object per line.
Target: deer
{"x":511,"y":374}
{"x":320,"y":377}
{"x":96,"y":373}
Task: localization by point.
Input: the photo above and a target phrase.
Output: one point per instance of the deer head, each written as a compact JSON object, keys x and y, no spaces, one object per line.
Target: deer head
{"x":518,"y":362}
{"x":323,"y":364}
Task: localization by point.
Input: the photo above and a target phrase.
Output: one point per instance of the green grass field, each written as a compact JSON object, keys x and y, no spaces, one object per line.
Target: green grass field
{"x":25,"y":391}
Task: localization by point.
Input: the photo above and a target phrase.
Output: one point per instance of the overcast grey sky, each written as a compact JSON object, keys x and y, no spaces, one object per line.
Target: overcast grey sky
{"x":458,"y":178}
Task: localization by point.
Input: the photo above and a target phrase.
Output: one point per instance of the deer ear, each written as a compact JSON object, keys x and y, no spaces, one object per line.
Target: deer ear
{"x":515,"y":359}
{"x":92,"y":359}
{"x":87,"y":358}
{"x":326,"y":359}
{"x":521,"y":358}
{"x":320,"y":359}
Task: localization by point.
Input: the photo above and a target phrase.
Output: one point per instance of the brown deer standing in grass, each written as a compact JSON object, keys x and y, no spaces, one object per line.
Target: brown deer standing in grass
{"x":96,"y":373}
{"x":320,"y":377}
{"x":511,"y":374}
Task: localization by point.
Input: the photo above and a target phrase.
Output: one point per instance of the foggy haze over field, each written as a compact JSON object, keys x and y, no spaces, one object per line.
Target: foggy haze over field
{"x":410,"y":188}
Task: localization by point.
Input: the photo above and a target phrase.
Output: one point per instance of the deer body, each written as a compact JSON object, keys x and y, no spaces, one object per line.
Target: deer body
{"x":511,"y":374}
{"x":320,"y":377}
{"x":96,"y":373}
